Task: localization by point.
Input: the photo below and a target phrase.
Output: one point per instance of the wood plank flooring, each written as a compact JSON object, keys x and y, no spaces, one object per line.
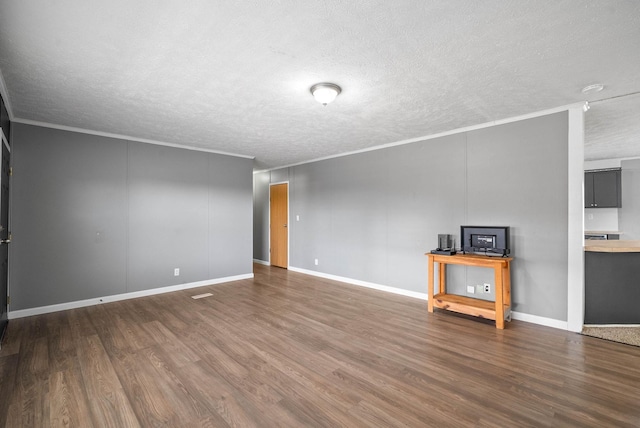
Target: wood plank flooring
{"x":290,"y":350}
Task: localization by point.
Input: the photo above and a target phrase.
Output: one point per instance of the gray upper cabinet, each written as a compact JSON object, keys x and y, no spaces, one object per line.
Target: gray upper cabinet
{"x":602,"y":188}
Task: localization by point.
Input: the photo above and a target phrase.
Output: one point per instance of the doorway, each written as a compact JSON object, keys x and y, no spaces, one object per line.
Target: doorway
{"x":279,"y":225}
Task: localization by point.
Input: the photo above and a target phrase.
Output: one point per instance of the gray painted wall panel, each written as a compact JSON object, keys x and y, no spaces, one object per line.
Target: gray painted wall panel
{"x":230,"y":216}
{"x":261,"y":216}
{"x":311,"y":199}
{"x":279,"y":176}
{"x":68,"y":217}
{"x":358,"y":219}
{"x":517,"y":176}
{"x":168,"y":212}
{"x":95,"y":216}
{"x":372,"y":216}
{"x":424,"y":201}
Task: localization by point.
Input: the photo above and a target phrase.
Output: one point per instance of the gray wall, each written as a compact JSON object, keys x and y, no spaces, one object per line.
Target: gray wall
{"x":629,"y":213}
{"x":261,"y":216}
{"x":95,"y":216}
{"x":372,"y":216}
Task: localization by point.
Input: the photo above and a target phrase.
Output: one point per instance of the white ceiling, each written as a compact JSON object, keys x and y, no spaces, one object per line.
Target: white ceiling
{"x":235,"y":76}
{"x":612,"y":128}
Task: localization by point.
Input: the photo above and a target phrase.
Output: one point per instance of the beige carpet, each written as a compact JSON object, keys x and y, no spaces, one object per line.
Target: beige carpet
{"x":628,"y":335}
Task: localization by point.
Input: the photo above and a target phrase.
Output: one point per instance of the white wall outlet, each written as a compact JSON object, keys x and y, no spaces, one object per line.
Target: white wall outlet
{"x":471,"y":289}
{"x":297,"y":217}
{"x":487,"y":288}
{"x":176,"y":272}
{"x":316,"y":262}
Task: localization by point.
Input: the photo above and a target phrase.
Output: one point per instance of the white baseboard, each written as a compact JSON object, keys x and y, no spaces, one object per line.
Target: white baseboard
{"x":261,"y":262}
{"x":534,"y":319}
{"x":394,"y":290}
{"x":124,"y":296}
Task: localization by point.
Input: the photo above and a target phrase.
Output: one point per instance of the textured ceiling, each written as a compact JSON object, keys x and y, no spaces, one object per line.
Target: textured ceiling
{"x":235,"y":76}
{"x":612,"y":128}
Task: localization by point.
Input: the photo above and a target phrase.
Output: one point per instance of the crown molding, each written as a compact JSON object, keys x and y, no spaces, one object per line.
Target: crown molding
{"x":125,"y":137}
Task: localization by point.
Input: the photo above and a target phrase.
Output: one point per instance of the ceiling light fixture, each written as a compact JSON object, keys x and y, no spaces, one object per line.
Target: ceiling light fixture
{"x":324,"y":93}
{"x":597,"y":87}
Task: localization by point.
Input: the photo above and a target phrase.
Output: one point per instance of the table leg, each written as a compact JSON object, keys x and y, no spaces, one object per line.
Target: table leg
{"x":442,"y":274}
{"x":506,"y":281}
{"x":499,"y":297}
{"x":430,"y":286}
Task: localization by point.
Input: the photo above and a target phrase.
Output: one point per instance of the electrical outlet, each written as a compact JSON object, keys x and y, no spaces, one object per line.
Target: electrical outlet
{"x":316,"y":262}
{"x":176,"y":272}
{"x":471,"y":289}
{"x":487,"y":288}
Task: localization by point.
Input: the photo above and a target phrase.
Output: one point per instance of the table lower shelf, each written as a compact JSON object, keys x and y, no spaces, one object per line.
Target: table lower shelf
{"x":469,"y":306}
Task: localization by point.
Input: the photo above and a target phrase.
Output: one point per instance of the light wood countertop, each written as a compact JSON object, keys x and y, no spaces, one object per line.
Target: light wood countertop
{"x":613,"y":246}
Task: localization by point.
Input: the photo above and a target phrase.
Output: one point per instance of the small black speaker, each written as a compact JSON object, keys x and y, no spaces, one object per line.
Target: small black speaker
{"x":446,"y":245}
{"x":445,"y":242}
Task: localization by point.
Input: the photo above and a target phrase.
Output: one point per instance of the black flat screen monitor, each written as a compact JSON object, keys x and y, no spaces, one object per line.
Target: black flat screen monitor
{"x":487,"y":240}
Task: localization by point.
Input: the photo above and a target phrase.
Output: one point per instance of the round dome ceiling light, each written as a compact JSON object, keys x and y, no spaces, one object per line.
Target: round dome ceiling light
{"x":324,"y":93}
{"x":591,"y":89}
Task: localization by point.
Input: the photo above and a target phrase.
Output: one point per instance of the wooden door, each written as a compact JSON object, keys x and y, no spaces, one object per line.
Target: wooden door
{"x":279,"y":227}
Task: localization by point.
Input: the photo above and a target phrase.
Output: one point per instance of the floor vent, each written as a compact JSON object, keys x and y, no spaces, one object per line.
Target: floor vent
{"x":200,"y":296}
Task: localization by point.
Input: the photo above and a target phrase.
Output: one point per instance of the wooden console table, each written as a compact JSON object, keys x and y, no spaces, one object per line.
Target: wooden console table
{"x":497,"y":310}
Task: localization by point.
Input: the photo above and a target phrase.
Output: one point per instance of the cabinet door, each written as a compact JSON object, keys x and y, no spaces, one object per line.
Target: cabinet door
{"x":588,"y":189}
{"x":606,"y":189}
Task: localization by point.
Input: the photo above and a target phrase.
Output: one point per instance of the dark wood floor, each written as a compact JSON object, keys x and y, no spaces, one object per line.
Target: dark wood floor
{"x":285,"y":349}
